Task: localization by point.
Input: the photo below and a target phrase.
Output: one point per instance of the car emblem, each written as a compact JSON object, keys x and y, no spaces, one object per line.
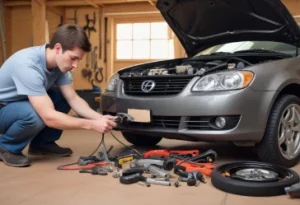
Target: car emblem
{"x":147,"y":86}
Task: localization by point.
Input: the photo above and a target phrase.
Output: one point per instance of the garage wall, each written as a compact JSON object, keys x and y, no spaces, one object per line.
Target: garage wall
{"x":92,"y":64}
{"x":100,"y":63}
{"x":294,"y":7}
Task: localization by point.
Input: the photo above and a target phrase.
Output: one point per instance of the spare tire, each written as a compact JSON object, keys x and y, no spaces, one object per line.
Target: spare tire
{"x":253,"y":178}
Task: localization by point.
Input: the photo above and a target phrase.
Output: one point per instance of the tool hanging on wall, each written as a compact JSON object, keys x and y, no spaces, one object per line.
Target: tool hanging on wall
{"x":74,"y":18}
{"x":98,"y":75}
{"x":61,"y":21}
{"x":90,"y":28}
{"x":105,"y":39}
{"x":93,"y":73}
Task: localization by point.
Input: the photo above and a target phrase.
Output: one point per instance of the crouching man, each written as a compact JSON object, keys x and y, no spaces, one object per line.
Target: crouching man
{"x":36,"y":93}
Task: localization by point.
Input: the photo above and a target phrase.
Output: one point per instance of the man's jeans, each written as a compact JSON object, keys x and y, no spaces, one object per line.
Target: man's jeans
{"x":20,"y":124}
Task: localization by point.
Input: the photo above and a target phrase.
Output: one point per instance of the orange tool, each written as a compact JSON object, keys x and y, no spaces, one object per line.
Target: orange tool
{"x":167,"y":153}
{"x":204,"y":168}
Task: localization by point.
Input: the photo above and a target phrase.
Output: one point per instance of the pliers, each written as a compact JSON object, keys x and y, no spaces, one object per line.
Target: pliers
{"x":204,"y":168}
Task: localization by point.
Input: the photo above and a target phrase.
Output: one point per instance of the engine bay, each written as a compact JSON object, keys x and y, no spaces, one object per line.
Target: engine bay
{"x":198,"y":66}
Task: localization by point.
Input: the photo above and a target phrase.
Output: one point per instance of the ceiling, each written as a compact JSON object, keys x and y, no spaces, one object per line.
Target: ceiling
{"x":94,"y":3}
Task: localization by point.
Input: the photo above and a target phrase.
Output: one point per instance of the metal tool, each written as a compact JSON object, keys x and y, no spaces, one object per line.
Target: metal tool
{"x":168,"y":153}
{"x":293,"y":191}
{"x":151,"y":165}
{"x":95,"y":171}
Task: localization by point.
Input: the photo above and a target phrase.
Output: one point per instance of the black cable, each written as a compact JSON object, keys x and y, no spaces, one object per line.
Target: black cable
{"x":97,"y":146}
{"x":239,"y":59}
{"x":60,"y":167}
{"x":134,"y":150}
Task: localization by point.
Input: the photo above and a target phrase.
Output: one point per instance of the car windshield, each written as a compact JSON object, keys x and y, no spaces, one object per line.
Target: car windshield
{"x":250,"y":46}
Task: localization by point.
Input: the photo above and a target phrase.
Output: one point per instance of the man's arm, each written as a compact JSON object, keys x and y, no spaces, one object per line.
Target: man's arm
{"x":79,"y":105}
{"x":52,"y":118}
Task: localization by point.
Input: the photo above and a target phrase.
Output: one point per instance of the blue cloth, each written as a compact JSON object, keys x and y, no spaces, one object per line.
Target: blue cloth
{"x":20,"y":124}
{"x":25,"y":73}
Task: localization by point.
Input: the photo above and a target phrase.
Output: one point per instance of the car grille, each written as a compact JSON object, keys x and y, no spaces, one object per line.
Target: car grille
{"x":163,"y":86}
{"x":190,"y":123}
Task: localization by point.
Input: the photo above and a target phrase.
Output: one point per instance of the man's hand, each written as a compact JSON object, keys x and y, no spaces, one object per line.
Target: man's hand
{"x":104,"y":124}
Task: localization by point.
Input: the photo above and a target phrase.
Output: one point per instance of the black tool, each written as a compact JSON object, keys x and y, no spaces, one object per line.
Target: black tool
{"x":192,"y":178}
{"x":94,"y":171}
{"x":293,"y":191}
{"x":88,"y":160}
{"x":124,"y":118}
{"x":131,"y":175}
{"x":134,"y":170}
{"x":208,"y":156}
{"x":130,"y":179}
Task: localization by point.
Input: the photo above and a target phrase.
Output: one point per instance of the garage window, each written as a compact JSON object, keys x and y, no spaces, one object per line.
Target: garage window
{"x":150,"y":40}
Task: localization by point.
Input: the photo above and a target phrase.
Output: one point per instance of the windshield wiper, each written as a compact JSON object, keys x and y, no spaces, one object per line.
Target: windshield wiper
{"x":263,"y":51}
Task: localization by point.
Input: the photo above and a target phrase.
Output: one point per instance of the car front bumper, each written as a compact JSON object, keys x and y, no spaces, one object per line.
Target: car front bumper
{"x":250,"y":106}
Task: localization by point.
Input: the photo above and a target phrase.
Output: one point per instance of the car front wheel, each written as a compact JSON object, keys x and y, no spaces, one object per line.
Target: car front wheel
{"x":141,"y":140}
{"x":281,"y":142}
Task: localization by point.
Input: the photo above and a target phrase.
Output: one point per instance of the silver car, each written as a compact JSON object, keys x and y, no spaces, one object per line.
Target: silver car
{"x":239,"y":83}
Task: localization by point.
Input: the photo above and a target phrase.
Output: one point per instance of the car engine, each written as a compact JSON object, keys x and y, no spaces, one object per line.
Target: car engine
{"x":193,"y":66}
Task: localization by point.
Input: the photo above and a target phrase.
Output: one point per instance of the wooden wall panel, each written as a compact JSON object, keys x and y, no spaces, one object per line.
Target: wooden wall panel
{"x":21,"y":28}
{"x":54,"y":20}
{"x":39,"y":25}
{"x":8,"y":29}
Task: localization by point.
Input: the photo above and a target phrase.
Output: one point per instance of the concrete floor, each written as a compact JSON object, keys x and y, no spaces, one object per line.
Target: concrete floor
{"x":43,"y":184}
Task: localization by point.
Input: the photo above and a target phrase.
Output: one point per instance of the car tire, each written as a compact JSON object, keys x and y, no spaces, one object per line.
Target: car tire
{"x":253,"y":178}
{"x":141,"y":140}
{"x":271,"y":149}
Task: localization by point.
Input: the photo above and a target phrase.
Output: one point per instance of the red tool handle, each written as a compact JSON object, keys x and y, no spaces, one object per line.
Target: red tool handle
{"x":157,"y":153}
{"x":204,"y":168}
{"x":75,"y":166}
{"x":192,"y":153}
{"x":166,"y":153}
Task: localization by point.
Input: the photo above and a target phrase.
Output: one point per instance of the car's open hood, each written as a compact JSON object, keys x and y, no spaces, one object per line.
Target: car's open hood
{"x":200,"y":24}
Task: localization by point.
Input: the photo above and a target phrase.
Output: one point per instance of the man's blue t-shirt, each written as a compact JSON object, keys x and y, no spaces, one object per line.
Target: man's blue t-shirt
{"x":25,"y":74}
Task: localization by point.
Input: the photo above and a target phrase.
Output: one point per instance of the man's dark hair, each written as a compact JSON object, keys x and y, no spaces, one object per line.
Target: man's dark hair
{"x":69,"y":36}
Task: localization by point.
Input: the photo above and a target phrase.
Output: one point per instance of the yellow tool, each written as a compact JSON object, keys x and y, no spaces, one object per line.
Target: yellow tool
{"x":123,"y":159}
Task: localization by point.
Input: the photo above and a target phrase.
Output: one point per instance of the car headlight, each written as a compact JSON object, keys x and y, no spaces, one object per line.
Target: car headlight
{"x":113,"y":82}
{"x":224,"y":81}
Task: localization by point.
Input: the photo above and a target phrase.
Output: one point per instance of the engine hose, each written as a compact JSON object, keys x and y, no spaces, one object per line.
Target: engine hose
{"x":239,"y":59}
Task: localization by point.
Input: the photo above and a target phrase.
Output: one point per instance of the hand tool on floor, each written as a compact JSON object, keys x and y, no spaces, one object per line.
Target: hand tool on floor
{"x":204,"y":168}
{"x":128,"y":171}
{"x":207,"y":156}
{"x":152,"y":166}
{"x":192,"y":178}
{"x":95,"y":171}
{"x":76,"y":166}
{"x":169,"y":153}
{"x":293,"y":191}
{"x":136,"y":177}
{"x":120,"y":160}
{"x":186,"y":155}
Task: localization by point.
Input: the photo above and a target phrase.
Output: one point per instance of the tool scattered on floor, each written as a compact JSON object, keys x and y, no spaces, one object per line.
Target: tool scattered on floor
{"x":151,"y":167}
{"x":293,"y":191}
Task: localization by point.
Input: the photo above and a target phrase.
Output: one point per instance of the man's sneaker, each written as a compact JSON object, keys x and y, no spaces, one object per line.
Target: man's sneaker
{"x":13,"y":160}
{"x":50,"y":149}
